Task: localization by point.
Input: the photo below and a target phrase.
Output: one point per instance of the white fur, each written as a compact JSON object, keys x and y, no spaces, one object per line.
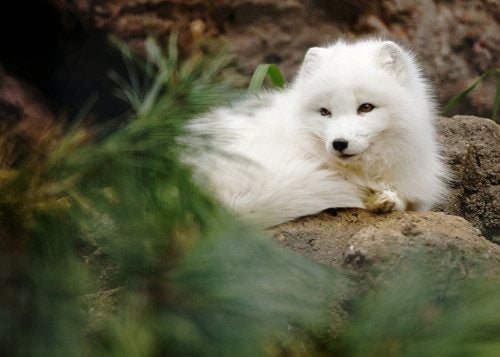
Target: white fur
{"x":274,"y":161}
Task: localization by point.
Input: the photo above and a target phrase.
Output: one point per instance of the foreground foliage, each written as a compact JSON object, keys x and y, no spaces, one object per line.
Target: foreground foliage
{"x":108,"y":247}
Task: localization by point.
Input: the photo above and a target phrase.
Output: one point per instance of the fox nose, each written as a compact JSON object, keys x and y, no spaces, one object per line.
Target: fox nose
{"x":340,"y":144}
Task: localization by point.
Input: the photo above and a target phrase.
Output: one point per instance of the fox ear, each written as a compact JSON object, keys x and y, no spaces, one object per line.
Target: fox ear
{"x":391,"y":58}
{"x":312,"y":58}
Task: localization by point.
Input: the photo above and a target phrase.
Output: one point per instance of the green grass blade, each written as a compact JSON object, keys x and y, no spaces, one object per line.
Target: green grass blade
{"x":173,"y":52}
{"x":87,"y":107}
{"x":153,"y":52}
{"x":270,"y":70}
{"x":276,"y":77}
{"x":152,"y":95}
{"x":132,"y":97}
{"x":258,"y":77}
{"x":460,"y":96}
{"x":496,"y":103}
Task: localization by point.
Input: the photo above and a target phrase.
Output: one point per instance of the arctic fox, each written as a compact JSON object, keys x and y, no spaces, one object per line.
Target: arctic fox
{"x":354,"y":129}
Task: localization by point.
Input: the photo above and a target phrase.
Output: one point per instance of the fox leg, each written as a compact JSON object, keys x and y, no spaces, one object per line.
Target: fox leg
{"x":383,"y":201}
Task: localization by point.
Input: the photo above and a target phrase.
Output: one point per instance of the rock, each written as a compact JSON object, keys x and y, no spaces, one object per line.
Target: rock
{"x":371,"y":246}
{"x":22,"y":107}
{"x":457,"y":41}
{"x":472,"y":150}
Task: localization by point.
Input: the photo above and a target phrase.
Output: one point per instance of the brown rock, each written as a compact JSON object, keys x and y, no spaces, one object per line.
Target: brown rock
{"x":371,"y":246}
{"x":472,"y":149}
{"x":22,"y":106}
{"x":456,"y":40}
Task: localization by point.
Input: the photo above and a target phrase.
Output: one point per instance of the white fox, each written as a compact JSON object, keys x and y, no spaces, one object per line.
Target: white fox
{"x":354,"y":129}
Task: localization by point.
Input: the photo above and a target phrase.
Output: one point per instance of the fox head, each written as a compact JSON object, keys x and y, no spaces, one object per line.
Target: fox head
{"x":365,"y":101}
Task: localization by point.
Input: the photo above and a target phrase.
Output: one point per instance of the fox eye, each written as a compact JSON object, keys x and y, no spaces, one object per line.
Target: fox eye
{"x":365,"y":108}
{"x":325,"y":112}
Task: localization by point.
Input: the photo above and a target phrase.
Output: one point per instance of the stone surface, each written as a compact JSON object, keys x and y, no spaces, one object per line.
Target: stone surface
{"x":22,"y":107}
{"x":472,"y":149}
{"x":370,"y":246}
{"x":456,"y":40}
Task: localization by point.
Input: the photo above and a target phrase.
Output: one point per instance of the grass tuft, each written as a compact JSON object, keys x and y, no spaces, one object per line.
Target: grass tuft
{"x":263,"y":71}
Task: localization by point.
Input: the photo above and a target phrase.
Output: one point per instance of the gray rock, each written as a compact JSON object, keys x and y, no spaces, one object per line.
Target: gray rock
{"x":472,"y":148}
{"x":371,"y":246}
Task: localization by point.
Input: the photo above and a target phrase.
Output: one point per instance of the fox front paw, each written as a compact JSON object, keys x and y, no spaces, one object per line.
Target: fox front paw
{"x":382,"y":201}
